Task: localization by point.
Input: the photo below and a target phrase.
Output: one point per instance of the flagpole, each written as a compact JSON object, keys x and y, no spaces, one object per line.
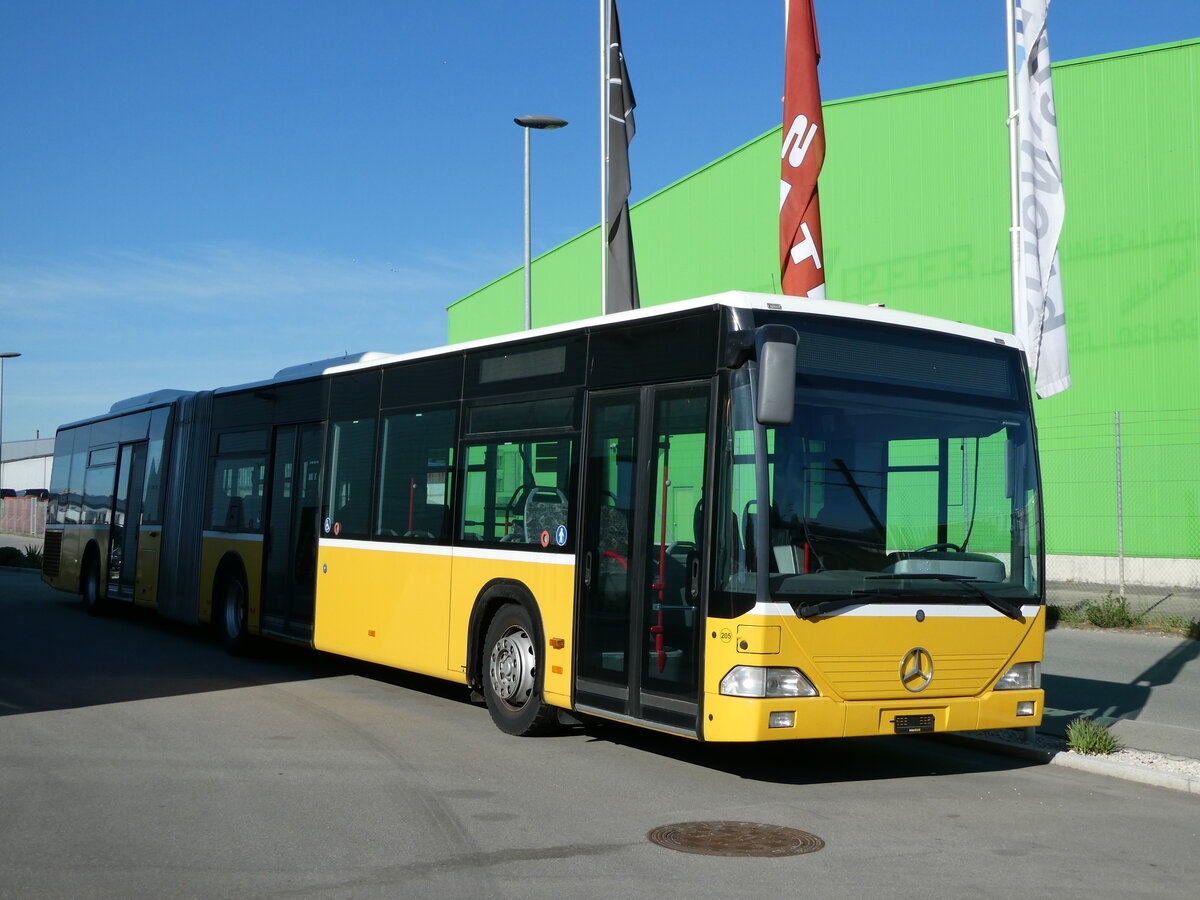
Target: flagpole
{"x":528,"y":243}
{"x":603,"y":155}
{"x":1014,"y":165}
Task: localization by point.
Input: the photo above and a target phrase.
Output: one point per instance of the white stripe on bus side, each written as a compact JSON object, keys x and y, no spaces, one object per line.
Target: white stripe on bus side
{"x":898,"y":611}
{"x":535,"y":556}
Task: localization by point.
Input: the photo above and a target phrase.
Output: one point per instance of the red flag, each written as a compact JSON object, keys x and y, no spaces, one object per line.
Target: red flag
{"x":801,"y":269}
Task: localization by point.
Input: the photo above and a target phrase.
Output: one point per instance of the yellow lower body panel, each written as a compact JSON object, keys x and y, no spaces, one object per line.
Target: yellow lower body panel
{"x":145,"y":590}
{"x":70,"y":549}
{"x":409,"y":606}
{"x":552,"y":584}
{"x":858,"y":666}
{"x":386,"y":605}
{"x":742,"y":719}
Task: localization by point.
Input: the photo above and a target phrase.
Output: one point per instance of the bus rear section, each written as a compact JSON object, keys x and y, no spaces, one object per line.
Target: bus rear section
{"x":116,"y":509}
{"x":105,"y":520}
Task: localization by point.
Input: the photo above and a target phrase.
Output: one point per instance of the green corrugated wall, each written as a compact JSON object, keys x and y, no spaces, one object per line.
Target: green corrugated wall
{"x":914,"y":201}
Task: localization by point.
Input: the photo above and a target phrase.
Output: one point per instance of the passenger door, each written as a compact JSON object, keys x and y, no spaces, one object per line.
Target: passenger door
{"x":640,"y":610}
{"x":289,"y":585}
{"x":126,"y":520}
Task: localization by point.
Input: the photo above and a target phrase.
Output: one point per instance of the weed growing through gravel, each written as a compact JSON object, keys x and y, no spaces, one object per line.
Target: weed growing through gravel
{"x":1068,"y":615}
{"x":1092,"y":738}
{"x":1111,"y":612}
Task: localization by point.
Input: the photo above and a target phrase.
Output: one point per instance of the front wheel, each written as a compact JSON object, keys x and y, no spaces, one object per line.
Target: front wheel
{"x":512,"y":678}
{"x":232,"y":615}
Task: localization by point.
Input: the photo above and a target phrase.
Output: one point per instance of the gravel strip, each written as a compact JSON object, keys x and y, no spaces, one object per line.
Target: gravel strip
{"x":1179,"y":773}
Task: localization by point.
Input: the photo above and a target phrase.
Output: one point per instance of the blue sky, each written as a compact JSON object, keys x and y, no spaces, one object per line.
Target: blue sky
{"x":199,"y":194}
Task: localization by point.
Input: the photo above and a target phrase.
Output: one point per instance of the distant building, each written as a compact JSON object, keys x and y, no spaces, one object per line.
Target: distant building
{"x":25,"y":465}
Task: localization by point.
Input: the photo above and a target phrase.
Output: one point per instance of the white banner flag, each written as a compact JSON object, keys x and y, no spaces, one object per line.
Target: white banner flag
{"x":1038,"y":317}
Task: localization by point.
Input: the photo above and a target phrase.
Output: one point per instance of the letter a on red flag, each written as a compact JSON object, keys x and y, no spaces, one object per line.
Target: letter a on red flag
{"x":801,"y":269}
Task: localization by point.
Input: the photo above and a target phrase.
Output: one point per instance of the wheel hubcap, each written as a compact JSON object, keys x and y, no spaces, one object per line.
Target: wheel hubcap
{"x":512,"y":667}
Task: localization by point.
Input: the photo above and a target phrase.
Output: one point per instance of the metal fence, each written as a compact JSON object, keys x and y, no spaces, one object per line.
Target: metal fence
{"x":23,"y":515}
{"x":1122,"y":495}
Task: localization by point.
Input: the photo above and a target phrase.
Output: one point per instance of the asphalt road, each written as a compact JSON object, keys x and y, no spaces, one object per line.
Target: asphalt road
{"x":1145,"y":687}
{"x":137,"y":760}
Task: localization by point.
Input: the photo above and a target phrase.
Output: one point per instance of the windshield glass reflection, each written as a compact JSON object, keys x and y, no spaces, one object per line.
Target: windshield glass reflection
{"x":881,"y":493}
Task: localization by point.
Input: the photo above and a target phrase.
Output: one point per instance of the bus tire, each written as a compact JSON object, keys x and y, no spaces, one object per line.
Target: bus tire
{"x":233,"y":615}
{"x":89,"y":586}
{"x":512,"y":675}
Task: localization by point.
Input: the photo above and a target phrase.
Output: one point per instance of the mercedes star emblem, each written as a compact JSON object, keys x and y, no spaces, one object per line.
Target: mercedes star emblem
{"x":916,"y":670}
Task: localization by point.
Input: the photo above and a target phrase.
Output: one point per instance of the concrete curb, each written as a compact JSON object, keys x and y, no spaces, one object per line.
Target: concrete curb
{"x":1094,"y":765}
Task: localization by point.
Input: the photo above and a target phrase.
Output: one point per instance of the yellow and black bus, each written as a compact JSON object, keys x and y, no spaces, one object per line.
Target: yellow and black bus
{"x":736,"y":518}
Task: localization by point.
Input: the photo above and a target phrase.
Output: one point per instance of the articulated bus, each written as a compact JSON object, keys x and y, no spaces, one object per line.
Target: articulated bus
{"x":734,"y":518}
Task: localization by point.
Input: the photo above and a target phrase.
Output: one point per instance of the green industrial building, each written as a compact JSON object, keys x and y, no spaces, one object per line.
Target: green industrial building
{"x":915,"y":215}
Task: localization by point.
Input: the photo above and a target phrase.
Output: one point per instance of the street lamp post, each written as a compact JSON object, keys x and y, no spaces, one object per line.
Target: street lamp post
{"x":3,"y":357}
{"x":542,"y":123}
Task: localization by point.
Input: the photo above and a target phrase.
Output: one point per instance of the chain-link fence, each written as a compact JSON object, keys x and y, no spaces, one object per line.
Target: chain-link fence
{"x":23,"y":515}
{"x":1122,"y":500}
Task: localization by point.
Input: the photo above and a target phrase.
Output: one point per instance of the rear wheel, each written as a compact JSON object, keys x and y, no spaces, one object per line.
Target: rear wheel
{"x":232,"y":615}
{"x":89,"y":587}
{"x":512,"y":677}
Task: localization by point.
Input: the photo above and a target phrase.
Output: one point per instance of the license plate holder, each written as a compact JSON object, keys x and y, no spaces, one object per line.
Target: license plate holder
{"x":913,"y":723}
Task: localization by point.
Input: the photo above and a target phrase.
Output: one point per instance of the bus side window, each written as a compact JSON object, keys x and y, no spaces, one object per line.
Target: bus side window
{"x":415,"y":462}
{"x":350,"y":480}
{"x":236,"y":493}
{"x":517,"y":492}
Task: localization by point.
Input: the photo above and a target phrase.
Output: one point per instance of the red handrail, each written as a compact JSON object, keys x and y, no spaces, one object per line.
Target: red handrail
{"x":660,"y":651}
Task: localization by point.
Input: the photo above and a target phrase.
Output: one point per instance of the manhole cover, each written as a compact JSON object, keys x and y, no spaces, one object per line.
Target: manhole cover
{"x":735,"y":839}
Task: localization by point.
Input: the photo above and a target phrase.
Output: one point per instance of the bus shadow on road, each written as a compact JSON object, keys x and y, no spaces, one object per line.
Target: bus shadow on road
{"x":1106,"y":702}
{"x":60,"y":658}
{"x":1068,"y":697}
{"x":816,"y":761}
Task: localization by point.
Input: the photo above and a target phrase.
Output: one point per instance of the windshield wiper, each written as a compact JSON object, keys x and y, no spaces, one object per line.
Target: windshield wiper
{"x":824,"y":607}
{"x":1012,"y":610}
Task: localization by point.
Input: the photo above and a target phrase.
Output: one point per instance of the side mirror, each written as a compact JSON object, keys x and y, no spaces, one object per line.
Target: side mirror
{"x":776,"y":353}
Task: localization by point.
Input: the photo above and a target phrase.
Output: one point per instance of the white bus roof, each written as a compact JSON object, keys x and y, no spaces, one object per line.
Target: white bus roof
{"x":737,"y":299}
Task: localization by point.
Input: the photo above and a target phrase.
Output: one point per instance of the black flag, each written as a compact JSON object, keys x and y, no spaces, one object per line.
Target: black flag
{"x":621,"y":292}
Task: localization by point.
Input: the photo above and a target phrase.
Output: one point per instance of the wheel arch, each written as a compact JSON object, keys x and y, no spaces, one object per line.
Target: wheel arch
{"x":491,"y":597}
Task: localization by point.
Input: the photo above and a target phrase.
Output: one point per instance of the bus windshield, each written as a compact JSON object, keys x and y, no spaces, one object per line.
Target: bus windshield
{"x":883,"y":491}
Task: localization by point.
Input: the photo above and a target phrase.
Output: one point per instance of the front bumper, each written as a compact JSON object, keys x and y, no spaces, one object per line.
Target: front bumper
{"x":741,"y":719}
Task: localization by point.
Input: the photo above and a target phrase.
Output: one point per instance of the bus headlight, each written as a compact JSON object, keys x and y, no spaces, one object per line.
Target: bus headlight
{"x":1021,"y":677}
{"x":766,"y":681}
